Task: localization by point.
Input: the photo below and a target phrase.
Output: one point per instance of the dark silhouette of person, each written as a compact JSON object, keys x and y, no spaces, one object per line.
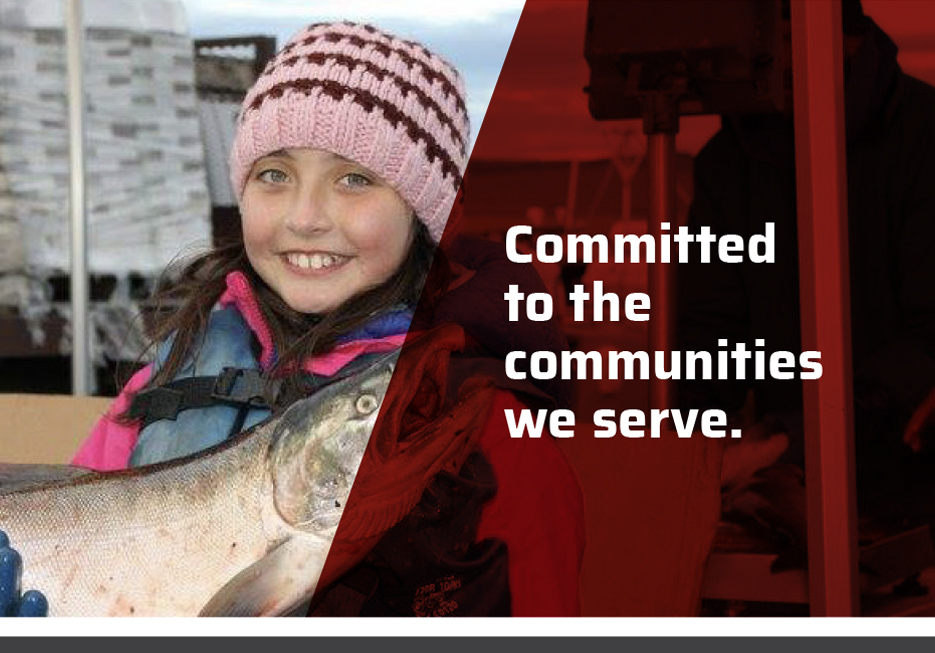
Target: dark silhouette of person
{"x":745,"y":178}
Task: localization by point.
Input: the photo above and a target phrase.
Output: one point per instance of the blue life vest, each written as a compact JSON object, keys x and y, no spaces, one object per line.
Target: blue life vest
{"x":227,"y":343}
{"x":231,"y":394}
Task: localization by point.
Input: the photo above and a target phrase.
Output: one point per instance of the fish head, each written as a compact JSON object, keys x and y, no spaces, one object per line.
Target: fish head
{"x":319,"y":444}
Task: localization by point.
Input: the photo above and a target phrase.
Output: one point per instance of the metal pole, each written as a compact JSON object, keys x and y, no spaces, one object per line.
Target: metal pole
{"x":661,"y":148}
{"x":626,"y":199}
{"x":821,"y":186}
{"x":80,"y":367}
{"x":572,"y":197}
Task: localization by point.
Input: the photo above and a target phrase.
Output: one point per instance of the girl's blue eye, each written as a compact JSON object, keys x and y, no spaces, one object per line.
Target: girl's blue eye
{"x":356,"y":180}
{"x":273,"y":176}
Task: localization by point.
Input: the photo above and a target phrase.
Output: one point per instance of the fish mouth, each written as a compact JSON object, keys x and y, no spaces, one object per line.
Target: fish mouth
{"x":314,"y":261}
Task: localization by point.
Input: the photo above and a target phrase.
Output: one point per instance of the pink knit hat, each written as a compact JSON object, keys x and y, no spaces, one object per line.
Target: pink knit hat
{"x":383,"y":102}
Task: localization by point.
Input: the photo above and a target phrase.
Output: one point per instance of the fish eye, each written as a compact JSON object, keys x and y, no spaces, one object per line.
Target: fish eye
{"x":366,"y":404}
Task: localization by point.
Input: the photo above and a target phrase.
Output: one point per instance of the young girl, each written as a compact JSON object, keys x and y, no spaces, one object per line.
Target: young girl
{"x":349,"y":153}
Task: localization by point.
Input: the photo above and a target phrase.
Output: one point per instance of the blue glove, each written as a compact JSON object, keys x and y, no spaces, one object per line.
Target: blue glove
{"x":12,"y":604}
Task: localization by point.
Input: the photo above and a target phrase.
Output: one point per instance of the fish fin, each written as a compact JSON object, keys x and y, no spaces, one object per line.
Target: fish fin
{"x":14,"y":478}
{"x":280,"y":581}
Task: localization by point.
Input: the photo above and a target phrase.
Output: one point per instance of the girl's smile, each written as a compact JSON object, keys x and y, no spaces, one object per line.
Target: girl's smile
{"x":320,"y":229}
{"x":315,"y":261}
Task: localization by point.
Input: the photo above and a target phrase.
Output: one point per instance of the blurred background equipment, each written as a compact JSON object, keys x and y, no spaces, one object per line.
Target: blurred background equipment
{"x":224,"y":70}
{"x":661,"y":60}
{"x":158,"y":119}
{"x":714,"y":57}
{"x":146,"y":184}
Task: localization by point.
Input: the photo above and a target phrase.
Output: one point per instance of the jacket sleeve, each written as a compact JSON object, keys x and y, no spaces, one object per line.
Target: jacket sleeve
{"x":893,"y":380}
{"x":111,"y":441}
{"x":539,"y":512}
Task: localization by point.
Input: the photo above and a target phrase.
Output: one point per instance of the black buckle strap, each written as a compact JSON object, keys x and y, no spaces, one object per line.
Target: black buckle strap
{"x":156,"y":404}
{"x":245,"y":388}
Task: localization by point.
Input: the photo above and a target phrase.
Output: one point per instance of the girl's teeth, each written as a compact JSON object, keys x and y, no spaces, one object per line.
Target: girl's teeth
{"x":315,"y":261}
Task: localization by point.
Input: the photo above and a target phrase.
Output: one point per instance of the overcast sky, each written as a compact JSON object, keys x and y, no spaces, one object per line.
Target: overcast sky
{"x":544,"y":112}
{"x":473,"y":34}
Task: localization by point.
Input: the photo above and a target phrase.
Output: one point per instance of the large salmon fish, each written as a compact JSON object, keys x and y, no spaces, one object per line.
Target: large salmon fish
{"x":240,"y":529}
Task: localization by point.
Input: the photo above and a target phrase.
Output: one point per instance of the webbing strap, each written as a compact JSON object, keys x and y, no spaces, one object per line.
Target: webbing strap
{"x":233,"y":387}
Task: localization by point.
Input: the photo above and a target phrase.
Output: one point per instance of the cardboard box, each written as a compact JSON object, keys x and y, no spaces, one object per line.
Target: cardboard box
{"x":46,"y":428}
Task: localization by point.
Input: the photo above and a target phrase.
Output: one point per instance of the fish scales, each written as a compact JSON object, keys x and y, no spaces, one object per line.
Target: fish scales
{"x":240,"y":529}
{"x":108,"y":549}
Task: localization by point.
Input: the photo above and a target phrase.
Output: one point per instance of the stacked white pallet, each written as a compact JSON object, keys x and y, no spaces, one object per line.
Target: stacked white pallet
{"x":146,"y":187}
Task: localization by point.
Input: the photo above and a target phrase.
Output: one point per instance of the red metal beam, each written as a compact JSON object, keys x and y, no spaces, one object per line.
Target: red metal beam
{"x":661,"y":154}
{"x":817,"y":57}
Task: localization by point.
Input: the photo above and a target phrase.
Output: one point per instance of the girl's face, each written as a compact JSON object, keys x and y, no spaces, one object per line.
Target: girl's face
{"x":319,"y":229}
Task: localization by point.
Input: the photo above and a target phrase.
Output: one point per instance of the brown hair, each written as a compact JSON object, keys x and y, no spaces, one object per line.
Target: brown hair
{"x":184,"y":300}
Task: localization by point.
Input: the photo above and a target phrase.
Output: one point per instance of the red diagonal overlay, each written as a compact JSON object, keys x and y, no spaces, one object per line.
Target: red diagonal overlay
{"x":625,"y":526}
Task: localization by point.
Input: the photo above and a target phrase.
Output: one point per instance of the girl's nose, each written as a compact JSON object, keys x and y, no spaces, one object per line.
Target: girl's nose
{"x":309,"y":215}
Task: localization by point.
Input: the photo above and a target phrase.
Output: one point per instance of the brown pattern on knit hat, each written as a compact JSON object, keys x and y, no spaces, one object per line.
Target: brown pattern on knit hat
{"x":430,"y":74}
{"x":320,"y":58}
{"x":369,"y":102}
